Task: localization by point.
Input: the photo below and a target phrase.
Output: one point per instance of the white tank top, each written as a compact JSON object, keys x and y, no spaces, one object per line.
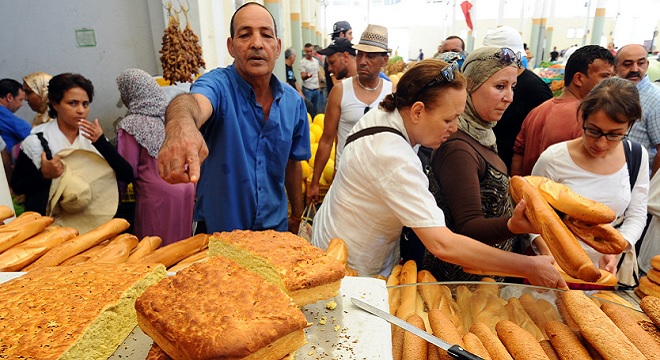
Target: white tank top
{"x":352,"y":109}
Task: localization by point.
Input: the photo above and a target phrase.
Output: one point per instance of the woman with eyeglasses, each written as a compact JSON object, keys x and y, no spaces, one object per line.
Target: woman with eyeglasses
{"x":468,"y":179}
{"x":596,"y":166}
{"x":380,"y":185}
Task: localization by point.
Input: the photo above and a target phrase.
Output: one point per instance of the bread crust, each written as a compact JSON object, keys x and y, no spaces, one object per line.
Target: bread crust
{"x":414,"y":347}
{"x":649,"y":287}
{"x":173,"y":253}
{"x":394,"y":293}
{"x":640,"y":338}
{"x":549,"y":350}
{"x":519,"y":342}
{"x":651,"y":307}
{"x":23,"y":254}
{"x":443,"y":328}
{"x":562,"y":243}
{"x":5,"y":212}
{"x":655,"y":262}
{"x":147,"y":245}
{"x":598,"y":329}
{"x":654,"y":275}
{"x":604,"y":238}
{"x":565,"y":343}
{"x":475,"y":346}
{"x":408,"y":275}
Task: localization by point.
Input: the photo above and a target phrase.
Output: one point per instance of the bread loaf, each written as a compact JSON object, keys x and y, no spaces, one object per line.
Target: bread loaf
{"x":156,"y":353}
{"x":546,"y":345}
{"x":548,"y":309}
{"x":408,"y":293}
{"x":654,"y":275}
{"x":23,"y":254}
{"x":449,"y":306}
{"x":655,"y":262}
{"x":430,"y":292}
{"x":443,"y":328}
{"x":116,"y":252}
{"x":604,"y":238}
{"x":598,"y":329}
{"x":414,"y":347}
{"x":200,"y":256}
{"x":533,"y":310}
{"x":650,"y":329}
{"x":463,"y":299}
{"x":648,"y":287}
{"x":518,"y":315}
{"x":80,"y":243}
{"x":490,"y":341}
{"x":562,"y":243}
{"x":5,"y":212}
{"x":85,"y":255}
{"x":173,"y":253}
{"x":520,"y":343}
{"x":13,"y":235}
{"x":565,"y":343}
{"x":397,"y":342}
{"x":485,"y":307}
{"x":394,"y":294}
{"x":562,"y":198}
{"x":475,"y":346}
{"x":146,"y":246}
{"x":651,"y":307}
{"x":613,"y":297}
{"x":640,"y":338}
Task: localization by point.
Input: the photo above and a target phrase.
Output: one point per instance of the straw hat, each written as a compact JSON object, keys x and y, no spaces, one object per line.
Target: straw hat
{"x":373,"y":40}
{"x":85,"y":196}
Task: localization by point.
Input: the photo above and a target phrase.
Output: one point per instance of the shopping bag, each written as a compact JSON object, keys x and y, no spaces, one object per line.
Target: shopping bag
{"x":305,"y":229}
{"x":628,"y":270}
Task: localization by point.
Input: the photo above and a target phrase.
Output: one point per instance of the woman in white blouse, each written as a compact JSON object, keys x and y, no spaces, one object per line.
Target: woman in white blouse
{"x":595,"y":164}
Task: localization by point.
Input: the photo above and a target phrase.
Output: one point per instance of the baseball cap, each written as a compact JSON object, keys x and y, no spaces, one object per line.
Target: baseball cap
{"x":338,"y":45}
{"x":505,"y":36}
{"x":340,"y":26}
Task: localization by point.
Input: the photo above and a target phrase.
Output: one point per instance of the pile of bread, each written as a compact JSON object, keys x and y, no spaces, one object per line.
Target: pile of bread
{"x":650,"y":284}
{"x":242,"y":303}
{"x":481,"y":321}
{"x":561,"y":217}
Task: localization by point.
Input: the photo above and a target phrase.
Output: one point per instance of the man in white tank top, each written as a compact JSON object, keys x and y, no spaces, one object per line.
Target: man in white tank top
{"x":361,"y":90}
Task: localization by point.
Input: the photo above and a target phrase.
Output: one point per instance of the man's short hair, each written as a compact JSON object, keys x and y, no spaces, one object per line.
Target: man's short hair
{"x":9,"y":86}
{"x":231,"y":23}
{"x":309,"y":45}
{"x":581,"y":59}
{"x":452,"y":37}
{"x":288,"y":52}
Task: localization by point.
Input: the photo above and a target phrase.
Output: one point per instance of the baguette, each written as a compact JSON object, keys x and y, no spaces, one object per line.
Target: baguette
{"x":85,"y":255}
{"x":485,"y":307}
{"x":25,"y":217}
{"x":475,"y":346}
{"x":565,"y":316}
{"x":562,"y":243}
{"x":13,"y":234}
{"x":434,"y":353}
{"x":6,"y":212}
{"x":146,"y":246}
{"x":449,"y":306}
{"x":640,"y":338}
{"x":533,"y":310}
{"x":444,"y":329}
{"x":489,"y":284}
{"x":651,"y":307}
{"x":337,"y":250}
{"x":202,"y":255}
{"x":604,"y":238}
{"x":414,"y":347}
{"x":549,"y":310}
{"x":68,"y":249}
{"x":408,"y":293}
{"x":463,"y":299}
{"x":566,"y":344}
{"x":520,"y":343}
{"x":518,"y":315}
{"x":23,"y":254}
{"x":491,"y":342}
{"x":430,"y":292}
{"x":606,"y":278}
{"x":116,"y":252}
{"x":598,"y":329}
{"x":394,"y":294}
{"x":173,"y":253}
{"x":549,"y":350}
{"x":397,"y":342}
{"x":562,"y":198}
{"x":611,"y":296}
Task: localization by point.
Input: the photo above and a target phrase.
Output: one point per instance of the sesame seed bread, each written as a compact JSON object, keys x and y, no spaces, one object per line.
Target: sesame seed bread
{"x":216,"y":309}
{"x":302,"y":270}
{"x":72,"y":312}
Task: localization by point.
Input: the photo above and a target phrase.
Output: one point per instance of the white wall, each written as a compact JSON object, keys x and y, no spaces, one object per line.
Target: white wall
{"x":39,"y":35}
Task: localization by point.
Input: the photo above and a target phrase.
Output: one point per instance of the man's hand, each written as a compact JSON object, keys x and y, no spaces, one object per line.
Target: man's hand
{"x":51,"y":169}
{"x":181,"y":155}
{"x":608,"y":263}
{"x":294,"y":225}
{"x":313,"y":193}
{"x":544,"y":273}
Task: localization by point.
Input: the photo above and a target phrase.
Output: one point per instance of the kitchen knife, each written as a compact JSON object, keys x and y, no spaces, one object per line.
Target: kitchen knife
{"x":454,"y":351}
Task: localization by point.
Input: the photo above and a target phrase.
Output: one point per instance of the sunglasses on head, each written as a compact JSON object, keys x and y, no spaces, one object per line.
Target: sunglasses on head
{"x":447,"y":74}
{"x":505,"y":56}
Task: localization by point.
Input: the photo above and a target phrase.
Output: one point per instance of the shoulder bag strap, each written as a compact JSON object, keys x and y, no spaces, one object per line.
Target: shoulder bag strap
{"x":633,"y":153}
{"x":371,"y":131}
{"x":44,"y":144}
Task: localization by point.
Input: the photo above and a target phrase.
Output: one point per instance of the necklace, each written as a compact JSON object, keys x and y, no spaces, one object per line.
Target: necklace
{"x":368,"y":88}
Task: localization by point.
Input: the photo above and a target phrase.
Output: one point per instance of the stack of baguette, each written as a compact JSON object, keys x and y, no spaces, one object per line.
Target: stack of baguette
{"x":561,"y":217}
{"x":478,"y":318}
{"x":650,"y":284}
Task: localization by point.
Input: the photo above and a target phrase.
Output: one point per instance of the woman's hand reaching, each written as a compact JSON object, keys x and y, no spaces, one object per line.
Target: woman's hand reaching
{"x":90,"y":130}
{"x":519,"y":223}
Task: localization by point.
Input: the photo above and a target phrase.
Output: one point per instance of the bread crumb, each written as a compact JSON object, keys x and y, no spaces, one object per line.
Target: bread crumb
{"x":310,"y":353}
{"x":336,"y":327}
{"x":323,"y":320}
{"x":331,"y":305}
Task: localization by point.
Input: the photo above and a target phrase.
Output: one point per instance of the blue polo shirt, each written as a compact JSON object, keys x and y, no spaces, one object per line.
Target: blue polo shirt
{"x":12,"y":128}
{"x":241,"y":184}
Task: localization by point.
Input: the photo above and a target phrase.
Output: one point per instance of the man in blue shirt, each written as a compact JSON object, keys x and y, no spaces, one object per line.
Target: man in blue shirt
{"x":254,"y":131}
{"x":12,"y":128}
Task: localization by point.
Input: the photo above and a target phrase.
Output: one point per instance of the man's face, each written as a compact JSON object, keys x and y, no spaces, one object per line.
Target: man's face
{"x":632,"y":63}
{"x":369,"y":64}
{"x":348,"y":34}
{"x":338,"y":64}
{"x":598,"y":71}
{"x":451,"y":45}
{"x":309,"y":51}
{"x":15,"y":102}
{"x":254,"y":47}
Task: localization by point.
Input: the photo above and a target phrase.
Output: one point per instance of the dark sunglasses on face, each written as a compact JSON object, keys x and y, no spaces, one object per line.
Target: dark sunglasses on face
{"x":505,"y":56}
{"x":597,"y":134}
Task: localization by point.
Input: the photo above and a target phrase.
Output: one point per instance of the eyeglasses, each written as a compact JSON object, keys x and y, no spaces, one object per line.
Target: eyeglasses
{"x":505,"y":55}
{"x":446,"y":75}
{"x":597,"y":134}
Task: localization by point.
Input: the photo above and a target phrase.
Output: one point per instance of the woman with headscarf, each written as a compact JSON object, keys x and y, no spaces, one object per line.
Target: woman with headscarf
{"x":35,"y":86}
{"x":380,"y":185}
{"x":161,"y":209}
{"x":468,"y":179}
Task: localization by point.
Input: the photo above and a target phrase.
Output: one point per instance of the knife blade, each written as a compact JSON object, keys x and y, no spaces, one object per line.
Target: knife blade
{"x":454,"y":351}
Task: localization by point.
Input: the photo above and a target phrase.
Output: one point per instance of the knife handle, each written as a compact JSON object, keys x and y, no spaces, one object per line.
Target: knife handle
{"x":458,"y":352}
